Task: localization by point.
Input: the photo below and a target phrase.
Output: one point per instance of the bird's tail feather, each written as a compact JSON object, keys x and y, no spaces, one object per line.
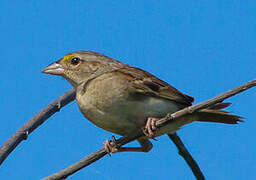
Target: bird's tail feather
{"x":213,"y":114}
{"x":217,"y":115}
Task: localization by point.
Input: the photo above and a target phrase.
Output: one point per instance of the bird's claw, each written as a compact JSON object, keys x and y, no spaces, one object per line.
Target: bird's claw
{"x":150,"y":128}
{"x":110,"y":146}
{"x":58,"y":106}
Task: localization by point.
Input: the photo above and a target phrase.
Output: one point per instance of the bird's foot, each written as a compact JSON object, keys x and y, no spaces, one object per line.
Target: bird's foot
{"x":149,"y":129}
{"x":110,"y":146}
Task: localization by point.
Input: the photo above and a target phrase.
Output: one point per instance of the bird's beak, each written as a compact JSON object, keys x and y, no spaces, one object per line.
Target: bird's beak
{"x":54,"y":69}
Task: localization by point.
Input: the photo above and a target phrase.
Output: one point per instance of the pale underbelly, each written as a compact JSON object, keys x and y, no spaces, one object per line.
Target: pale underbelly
{"x":128,"y":116}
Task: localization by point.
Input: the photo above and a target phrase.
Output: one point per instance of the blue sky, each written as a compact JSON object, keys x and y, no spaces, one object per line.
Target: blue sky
{"x":203,"y":48}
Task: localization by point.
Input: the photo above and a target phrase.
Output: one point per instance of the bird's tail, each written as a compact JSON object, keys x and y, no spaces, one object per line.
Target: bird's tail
{"x":213,"y":114}
{"x":217,"y":115}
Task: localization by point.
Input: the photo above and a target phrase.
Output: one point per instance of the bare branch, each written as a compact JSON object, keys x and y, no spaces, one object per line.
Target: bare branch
{"x":78,"y":165}
{"x":186,"y":155}
{"x":169,"y":117}
{"x":35,"y":122}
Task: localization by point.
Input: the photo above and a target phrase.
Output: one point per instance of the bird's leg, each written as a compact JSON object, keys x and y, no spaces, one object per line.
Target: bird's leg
{"x":150,"y":127}
{"x":111,"y":146}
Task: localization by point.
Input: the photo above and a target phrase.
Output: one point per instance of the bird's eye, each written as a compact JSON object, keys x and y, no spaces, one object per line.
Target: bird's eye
{"x":75,"y":61}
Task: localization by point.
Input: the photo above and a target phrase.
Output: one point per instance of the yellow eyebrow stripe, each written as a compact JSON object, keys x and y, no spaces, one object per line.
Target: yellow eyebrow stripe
{"x":67,"y":57}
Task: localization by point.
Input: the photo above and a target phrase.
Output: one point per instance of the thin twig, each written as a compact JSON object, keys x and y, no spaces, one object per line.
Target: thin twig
{"x":124,"y":140}
{"x":34,"y":122}
{"x":186,"y":155}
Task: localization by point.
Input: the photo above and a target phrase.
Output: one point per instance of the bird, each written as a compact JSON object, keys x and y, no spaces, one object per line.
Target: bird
{"x":123,"y":99}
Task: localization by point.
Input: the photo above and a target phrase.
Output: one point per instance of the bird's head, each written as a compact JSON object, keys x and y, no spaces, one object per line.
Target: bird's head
{"x":81,"y":66}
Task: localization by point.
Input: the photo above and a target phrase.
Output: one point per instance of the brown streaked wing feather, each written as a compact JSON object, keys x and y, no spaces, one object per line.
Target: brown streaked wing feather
{"x":146,"y":83}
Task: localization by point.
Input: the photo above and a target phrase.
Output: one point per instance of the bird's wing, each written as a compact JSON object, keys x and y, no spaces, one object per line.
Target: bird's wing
{"x":145,"y":83}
